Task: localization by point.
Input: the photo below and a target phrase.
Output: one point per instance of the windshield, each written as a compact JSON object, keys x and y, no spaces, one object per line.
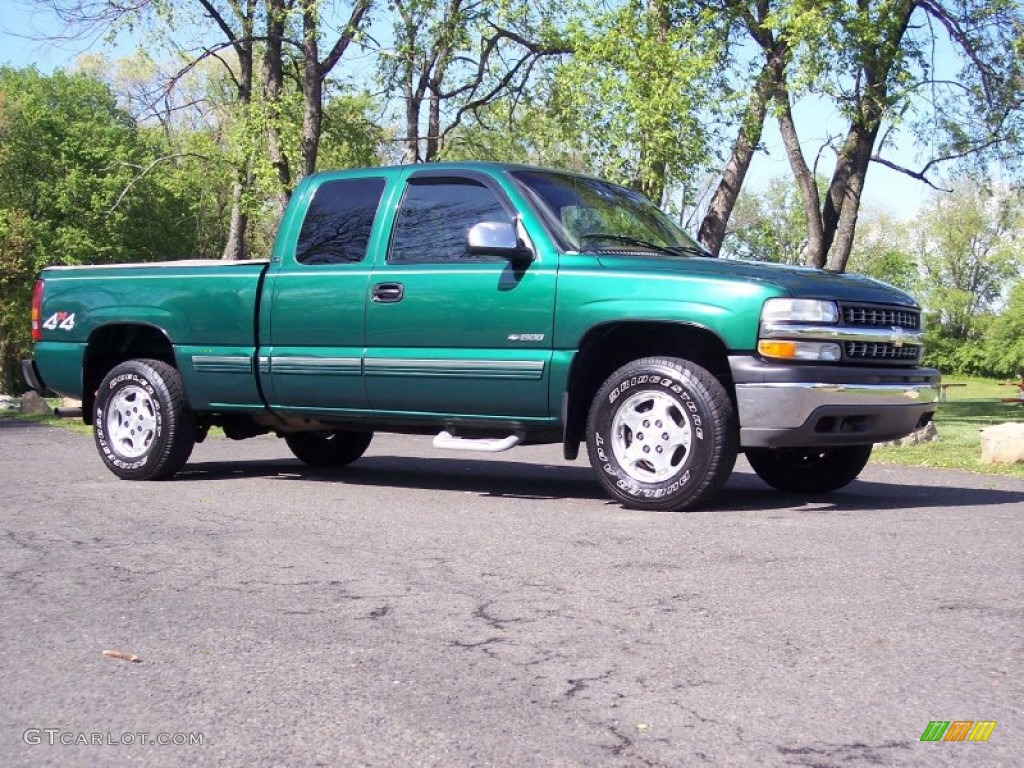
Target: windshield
{"x":593,"y":215}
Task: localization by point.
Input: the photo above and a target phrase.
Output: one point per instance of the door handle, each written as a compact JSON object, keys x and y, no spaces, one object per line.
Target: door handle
{"x":387,"y":293}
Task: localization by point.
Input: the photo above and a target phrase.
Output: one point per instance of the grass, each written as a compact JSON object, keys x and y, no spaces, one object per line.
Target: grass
{"x":959,"y":422}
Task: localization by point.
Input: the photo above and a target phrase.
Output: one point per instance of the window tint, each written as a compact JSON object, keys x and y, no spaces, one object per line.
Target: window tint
{"x":339,"y":220}
{"x":435,"y":218}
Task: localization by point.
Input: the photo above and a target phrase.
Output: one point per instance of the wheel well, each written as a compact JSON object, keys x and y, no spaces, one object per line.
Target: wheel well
{"x":113,"y":344}
{"x":607,"y":348}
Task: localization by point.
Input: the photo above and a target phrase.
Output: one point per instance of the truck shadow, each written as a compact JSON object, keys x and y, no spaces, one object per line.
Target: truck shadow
{"x":509,"y":479}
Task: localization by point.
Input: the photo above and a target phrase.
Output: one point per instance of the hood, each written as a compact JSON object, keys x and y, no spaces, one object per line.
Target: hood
{"x":799,"y":282}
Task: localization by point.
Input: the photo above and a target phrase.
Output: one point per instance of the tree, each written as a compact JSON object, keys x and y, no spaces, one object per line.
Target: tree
{"x":452,"y":58}
{"x":969,"y":249}
{"x":71,"y":192}
{"x":876,"y":63}
{"x":284,"y":36}
{"x":768,"y":226}
{"x":883,"y":250}
{"x":1004,"y":339}
{"x":635,"y":95}
{"x":756,"y":19}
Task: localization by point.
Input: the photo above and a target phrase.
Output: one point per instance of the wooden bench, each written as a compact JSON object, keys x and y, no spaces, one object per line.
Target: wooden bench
{"x":944,"y":387}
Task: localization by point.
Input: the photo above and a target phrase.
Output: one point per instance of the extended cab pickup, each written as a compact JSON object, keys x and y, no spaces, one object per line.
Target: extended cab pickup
{"x":491,"y":305}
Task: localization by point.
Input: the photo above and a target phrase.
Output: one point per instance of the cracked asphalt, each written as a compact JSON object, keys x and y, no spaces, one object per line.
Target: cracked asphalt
{"x":424,"y":608}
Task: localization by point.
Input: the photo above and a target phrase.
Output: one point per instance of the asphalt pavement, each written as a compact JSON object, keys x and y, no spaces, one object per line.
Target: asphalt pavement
{"x":424,"y":608}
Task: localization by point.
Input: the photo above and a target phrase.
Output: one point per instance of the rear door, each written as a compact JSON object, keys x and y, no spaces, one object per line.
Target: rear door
{"x":313,"y":356}
{"x":448,"y":332}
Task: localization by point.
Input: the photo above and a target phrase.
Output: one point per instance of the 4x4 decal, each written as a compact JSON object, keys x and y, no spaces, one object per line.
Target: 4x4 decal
{"x":63,"y":320}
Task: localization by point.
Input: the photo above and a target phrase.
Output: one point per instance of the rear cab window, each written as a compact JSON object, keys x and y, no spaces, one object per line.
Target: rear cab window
{"x":339,"y":221}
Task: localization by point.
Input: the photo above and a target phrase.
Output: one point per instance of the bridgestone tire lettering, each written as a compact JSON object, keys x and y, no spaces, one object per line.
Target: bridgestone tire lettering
{"x":662,"y":434}
{"x":150,"y":390}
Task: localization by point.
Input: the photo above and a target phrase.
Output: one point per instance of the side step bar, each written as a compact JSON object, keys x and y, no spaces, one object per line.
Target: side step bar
{"x":484,"y":445}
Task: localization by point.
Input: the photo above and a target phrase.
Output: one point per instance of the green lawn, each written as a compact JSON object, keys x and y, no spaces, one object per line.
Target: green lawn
{"x":959,"y":422}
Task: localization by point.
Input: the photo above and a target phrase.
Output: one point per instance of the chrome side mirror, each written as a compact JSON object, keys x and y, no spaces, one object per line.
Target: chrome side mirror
{"x":497,"y":238}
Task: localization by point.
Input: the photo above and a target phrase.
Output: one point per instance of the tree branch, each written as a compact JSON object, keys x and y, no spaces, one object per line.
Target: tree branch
{"x":146,"y":170}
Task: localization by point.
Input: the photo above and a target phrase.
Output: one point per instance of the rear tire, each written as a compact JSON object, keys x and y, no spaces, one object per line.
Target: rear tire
{"x":142,"y":424}
{"x":661,"y":434}
{"x":328,"y":448}
{"x":809,"y":470}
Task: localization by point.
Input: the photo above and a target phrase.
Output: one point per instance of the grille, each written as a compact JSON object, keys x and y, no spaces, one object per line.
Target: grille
{"x":882,"y":317}
{"x":870,"y":350}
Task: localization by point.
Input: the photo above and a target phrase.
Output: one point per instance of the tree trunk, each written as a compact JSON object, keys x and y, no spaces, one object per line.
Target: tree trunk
{"x":312,"y":90}
{"x":716,"y":220}
{"x":315,"y":72}
{"x":433,"y":126}
{"x":814,"y":249}
{"x":652,"y":184}
{"x":411,"y":153}
{"x":857,"y":152}
{"x":235,"y":247}
{"x":273,"y":88}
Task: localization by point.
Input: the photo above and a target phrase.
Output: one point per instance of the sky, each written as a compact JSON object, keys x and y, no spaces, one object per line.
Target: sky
{"x":23,"y":27}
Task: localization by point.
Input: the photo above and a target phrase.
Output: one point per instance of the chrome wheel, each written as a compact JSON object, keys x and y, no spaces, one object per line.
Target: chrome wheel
{"x":142,"y":425}
{"x":131,"y":422}
{"x":661,"y":434}
{"x":651,"y":436}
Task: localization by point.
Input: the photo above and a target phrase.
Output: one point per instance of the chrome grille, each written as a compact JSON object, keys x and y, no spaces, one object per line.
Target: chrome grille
{"x":871,"y":350}
{"x":881,"y":317}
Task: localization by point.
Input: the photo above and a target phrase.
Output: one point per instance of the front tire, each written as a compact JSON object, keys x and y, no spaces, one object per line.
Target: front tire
{"x":142,"y":425}
{"x":328,"y":448}
{"x":661,"y":434}
{"x":809,"y":470}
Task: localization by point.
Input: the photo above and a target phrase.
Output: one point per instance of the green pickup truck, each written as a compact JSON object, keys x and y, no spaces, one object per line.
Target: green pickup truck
{"x":490,"y":305}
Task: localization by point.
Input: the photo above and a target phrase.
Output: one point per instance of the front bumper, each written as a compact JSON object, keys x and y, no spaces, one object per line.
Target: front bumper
{"x":782,"y":405}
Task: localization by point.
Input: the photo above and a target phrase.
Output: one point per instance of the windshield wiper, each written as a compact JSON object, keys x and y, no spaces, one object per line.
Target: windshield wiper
{"x":671,"y":250}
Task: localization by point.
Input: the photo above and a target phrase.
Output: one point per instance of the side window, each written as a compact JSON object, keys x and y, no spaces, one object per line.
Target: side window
{"x":337,"y":226}
{"x":435,"y":217}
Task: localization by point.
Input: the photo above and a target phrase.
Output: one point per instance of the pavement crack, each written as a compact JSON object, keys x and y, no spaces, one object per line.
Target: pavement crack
{"x":479,"y":643}
{"x":483,"y":612}
{"x":858,"y":753}
{"x":579,"y":684}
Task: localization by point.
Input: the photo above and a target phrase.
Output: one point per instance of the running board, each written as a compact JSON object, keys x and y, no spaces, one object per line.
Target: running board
{"x":484,"y":444}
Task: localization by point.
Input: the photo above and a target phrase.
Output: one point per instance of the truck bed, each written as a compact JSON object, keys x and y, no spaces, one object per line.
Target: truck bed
{"x":205,"y":308}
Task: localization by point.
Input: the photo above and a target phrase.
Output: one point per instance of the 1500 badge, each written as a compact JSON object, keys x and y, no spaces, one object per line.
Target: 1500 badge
{"x":61,"y":320}
{"x":526,"y":337}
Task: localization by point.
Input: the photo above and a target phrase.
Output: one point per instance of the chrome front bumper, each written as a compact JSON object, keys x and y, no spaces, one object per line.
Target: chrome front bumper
{"x":780,"y":405}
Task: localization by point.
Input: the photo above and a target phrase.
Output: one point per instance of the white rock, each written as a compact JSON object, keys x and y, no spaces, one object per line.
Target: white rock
{"x":1003,"y":444}
{"x":8,"y":403}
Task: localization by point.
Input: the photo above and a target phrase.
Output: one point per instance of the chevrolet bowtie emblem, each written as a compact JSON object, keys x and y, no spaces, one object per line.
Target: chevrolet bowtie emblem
{"x":896,"y":337}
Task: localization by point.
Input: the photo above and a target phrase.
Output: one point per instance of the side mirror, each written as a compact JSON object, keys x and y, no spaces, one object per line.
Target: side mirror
{"x":497,"y":238}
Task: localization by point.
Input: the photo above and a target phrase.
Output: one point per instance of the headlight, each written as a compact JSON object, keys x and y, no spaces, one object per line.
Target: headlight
{"x":799,"y":311}
{"x":815,"y":351}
